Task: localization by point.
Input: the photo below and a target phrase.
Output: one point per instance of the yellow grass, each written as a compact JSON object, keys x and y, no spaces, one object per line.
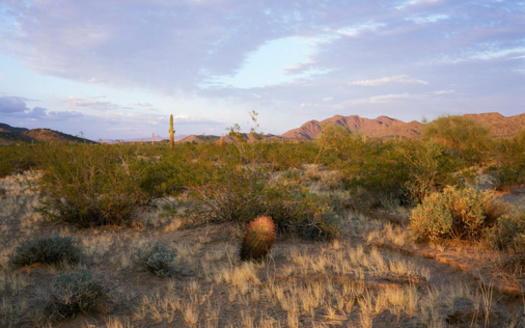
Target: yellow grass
{"x":343,"y":283}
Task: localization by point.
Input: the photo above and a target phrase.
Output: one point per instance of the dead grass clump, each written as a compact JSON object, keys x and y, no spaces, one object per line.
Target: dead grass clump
{"x":509,"y":233}
{"x":390,"y":234}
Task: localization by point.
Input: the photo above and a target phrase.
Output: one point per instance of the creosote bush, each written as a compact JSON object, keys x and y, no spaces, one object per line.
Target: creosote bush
{"x":52,"y":249}
{"x":456,"y":213}
{"x":509,"y":169}
{"x":155,"y":257}
{"x":509,"y":233}
{"x":238,"y":194}
{"x":91,"y":185}
{"x":76,"y":292}
{"x":460,"y":135}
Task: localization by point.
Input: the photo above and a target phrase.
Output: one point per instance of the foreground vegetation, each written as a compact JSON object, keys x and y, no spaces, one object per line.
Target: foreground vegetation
{"x":135,"y":235}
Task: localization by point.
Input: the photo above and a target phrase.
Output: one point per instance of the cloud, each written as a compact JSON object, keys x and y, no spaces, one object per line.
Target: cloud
{"x":401,"y":79}
{"x":14,"y":107}
{"x":92,"y":106}
{"x":299,"y":66}
{"x":359,"y":30}
{"x":11,"y":105}
{"x":415,"y":3}
{"x":443,"y":92}
{"x":174,"y":48}
{"x":95,"y":80}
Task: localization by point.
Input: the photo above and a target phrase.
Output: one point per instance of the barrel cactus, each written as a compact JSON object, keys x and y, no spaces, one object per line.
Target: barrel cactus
{"x":258,"y":239}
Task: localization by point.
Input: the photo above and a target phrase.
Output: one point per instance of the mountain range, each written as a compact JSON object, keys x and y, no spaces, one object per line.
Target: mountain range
{"x":11,"y":135}
{"x":382,"y":127}
{"x":378,"y":128}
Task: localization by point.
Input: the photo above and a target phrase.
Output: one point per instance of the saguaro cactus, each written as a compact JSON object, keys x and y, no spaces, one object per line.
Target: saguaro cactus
{"x":172,"y":132}
{"x":153,"y":139}
{"x":258,"y":239}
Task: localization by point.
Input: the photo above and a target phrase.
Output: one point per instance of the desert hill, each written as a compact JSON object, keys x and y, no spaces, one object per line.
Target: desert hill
{"x":5,"y":128}
{"x":386,"y":127}
{"x":11,"y":135}
{"x":228,"y":139}
{"x":501,"y":126}
{"x":199,"y":138}
{"x":381,"y":127}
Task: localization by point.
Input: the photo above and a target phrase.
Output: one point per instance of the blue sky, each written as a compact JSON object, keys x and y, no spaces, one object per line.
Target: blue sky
{"x":118,"y":68}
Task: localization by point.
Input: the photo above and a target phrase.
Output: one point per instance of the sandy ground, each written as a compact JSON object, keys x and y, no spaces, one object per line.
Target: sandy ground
{"x":373,"y":275}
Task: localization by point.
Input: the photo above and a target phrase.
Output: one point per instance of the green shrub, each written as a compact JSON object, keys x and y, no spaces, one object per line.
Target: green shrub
{"x":156,"y":258}
{"x":509,"y":233}
{"x":456,"y":213}
{"x":461,"y":135}
{"x":71,"y":293}
{"x":52,"y":249}
{"x":91,"y":185}
{"x":509,"y":169}
{"x":429,"y":169}
{"x":18,"y":158}
{"x":372,"y":170}
{"x":238,"y":194}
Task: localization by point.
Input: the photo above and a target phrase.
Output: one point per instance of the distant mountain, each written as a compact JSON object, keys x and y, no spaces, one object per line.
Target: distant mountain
{"x":11,"y":135}
{"x":228,"y":139}
{"x":9,"y":129}
{"x":386,"y":127}
{"x":381,"y":127}
{"x":378,"y":128}
{"x":199,"y":138}
{"x":501,"y":126}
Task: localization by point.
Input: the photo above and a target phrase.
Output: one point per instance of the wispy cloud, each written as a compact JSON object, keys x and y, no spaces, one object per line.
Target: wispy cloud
{"x":95,"y":80}
{"x":401,"y":79}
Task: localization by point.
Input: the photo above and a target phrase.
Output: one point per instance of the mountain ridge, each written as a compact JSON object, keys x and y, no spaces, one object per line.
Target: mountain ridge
{"x":382,"y":127}
{"x":12,"y":135}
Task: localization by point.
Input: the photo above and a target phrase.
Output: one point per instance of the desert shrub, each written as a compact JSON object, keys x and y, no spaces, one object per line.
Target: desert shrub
{"x":374,"y":171}
{"x":52,"y":249}
{"x":6,"y":167}
{"x":429,"y":167}
{"x":456,"y":213}
{"x":91,"y":185}
{"x":71,"y":293}
{"x":154,"y":257}
{"x":509,"y":233}
{"x":461,"y":135}
{"x":509,"y":169}
{"x":18,"y":158}
{"x":239,"y":193}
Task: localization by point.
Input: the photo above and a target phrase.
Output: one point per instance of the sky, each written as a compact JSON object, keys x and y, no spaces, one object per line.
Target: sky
{"x":117,"y":69}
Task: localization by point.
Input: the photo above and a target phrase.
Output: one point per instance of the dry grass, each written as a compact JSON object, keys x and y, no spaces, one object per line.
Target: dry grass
{"x":344,"y":283}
